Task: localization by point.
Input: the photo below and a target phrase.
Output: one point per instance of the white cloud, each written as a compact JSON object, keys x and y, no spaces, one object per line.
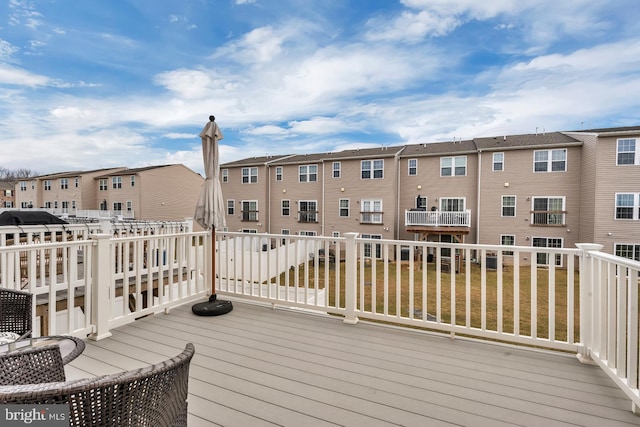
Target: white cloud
{"x":16,"y":76}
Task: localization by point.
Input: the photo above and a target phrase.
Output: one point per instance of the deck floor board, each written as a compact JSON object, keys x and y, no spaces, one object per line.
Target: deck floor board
{"x":259,"y":366}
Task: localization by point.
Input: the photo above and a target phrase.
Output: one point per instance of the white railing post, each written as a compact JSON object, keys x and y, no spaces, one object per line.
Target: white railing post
{"x":588,"y":291}
{"x":350,"y":285}
{"x":101,"y":303}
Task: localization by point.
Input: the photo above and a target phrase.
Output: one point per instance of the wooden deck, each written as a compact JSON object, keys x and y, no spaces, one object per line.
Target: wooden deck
{"x":257,"y":366}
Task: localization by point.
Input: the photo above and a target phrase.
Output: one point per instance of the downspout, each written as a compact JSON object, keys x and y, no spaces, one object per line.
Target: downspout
{"x":396,"y":231}
{"x":322,"y":224}
{"x":478,"y":197}
{"x":268,"y":215}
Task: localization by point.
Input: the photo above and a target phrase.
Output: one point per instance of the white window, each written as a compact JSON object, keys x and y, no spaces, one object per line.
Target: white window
{"x":307,"y":233}
{"x":548,"y":211}
{"x":627,"y":206}
{"x":308,"y":211}
{"x":250,"y":230}
{"x":249,"y":210}
{"x":509,"y":206}
{"x":286,"y":207}
{"x":421,"y":202}
{"x":47,"y":205}
{"x":55,"y":204}
{"x":231,"y":207}
{"x":627,"y":152}
{"x":8,"y":204}
{"x":249,"y":175}
{"x":278,"y":173}
{"x":116,"y":182}
{"x":335,"y":234}
{"x":73,"y":205}
{"x":550,"y":160}
{"x":507,"y":240}
{"x":372,"y":169}
{"x":225,"y":175}
{"x":64,"y":183}
{"x":285,"y":231}
{"x":65,"y":207}
{"x":628,"y":250}
{"x":47,"y":185}
{"x":23,"y":186}
{"x":117,"y":206}
{"x":371,"y":211}
{"x":133,"y":180}
{"x":343,"y":207}
{"x":453,"y":166}
{"x":24,"y":205}
{"x":498,"y":162}
{"x":103,"y":184}
{"x":369,"y":247}
{"x":547,"y":242}
{"x":308,"y":173}
{"x":336,"y":167}
{"x":77,"y":182}
{"x":413,"y":167}
{"x":129,"y":206}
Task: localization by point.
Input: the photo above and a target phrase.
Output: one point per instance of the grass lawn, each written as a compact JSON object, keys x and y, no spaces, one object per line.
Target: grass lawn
{"x":413,"y":283}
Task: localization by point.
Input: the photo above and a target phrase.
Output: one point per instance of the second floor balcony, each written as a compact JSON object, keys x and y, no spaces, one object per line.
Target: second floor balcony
{"x":437,"y":218}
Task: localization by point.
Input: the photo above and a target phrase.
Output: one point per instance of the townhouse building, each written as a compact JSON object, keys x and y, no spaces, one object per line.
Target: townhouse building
{"x":64,"y":192}
{"x":161,"y":193}
{"x":551,"y":189}
{"x":7,"y":195}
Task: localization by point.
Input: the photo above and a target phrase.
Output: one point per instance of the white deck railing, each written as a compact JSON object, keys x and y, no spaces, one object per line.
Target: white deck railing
{"x":578,"y":300}
{"x":438,"y":218}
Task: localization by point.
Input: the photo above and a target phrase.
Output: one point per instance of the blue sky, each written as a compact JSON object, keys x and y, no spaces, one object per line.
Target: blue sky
{"x":93,"y":84}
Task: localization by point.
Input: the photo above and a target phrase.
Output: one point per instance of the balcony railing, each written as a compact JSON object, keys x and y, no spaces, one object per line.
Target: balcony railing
{"x":437,"y":218}
{"x":251,"y":216}
{"x":548,"y":218}
{"x":371,"y":217}
{"x":589,"y":306}
{"x":307,"y":216}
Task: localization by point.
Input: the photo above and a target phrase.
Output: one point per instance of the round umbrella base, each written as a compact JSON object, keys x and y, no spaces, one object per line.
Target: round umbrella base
{"x":213,"y":307}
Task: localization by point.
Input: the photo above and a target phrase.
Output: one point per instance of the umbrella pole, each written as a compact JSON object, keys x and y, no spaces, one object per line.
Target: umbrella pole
{"x":214,"y":306}
{"x":213,"y":295}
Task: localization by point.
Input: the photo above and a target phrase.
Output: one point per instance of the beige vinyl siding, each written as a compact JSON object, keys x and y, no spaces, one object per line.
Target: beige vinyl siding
{"x":234,"y":189}
{"x":612,"y":179}
{"x":518,"y":179}
{"x":291,"y":189}
{"x":352,"y":186}
{"x":589,"y":183}
{"x":434,"y":187}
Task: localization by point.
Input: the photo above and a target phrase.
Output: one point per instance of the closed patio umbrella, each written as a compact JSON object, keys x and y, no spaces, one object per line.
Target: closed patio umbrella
{"x":210,"y":212}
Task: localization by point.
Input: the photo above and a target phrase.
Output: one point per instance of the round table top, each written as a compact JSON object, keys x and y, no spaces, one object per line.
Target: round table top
{"x":70,"y":347}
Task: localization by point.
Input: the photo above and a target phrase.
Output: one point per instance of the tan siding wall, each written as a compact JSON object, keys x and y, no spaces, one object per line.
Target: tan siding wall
{"x":27,"y":196}
{"x":351,"y":186}
{"x":433,"y":186}
{"x":166,"y":194}
{"x":588,"y":186}
{"x":236,"y":190}
{"x":525,"y":185}
{"x":291,"y":189}
{"x":612,"y":179}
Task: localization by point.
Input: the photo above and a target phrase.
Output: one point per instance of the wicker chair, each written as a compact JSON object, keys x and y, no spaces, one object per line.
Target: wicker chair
{"x":33,"y":365}
{"x":16,"y":312}
{"x":153,"y":396}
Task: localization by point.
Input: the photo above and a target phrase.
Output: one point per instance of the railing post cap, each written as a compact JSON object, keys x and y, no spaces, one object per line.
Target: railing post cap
{"x":589,"y":246}
{"x":101,"y":236}
{"x":351,"y":235}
